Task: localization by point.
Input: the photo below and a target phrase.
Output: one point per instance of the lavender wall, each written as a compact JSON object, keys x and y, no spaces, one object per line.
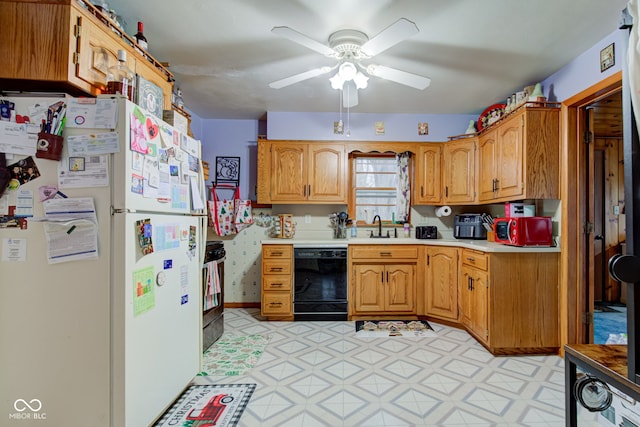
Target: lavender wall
{"x":584,"y":71}
{"x":398,"y":127}
{"x":232,"y":138}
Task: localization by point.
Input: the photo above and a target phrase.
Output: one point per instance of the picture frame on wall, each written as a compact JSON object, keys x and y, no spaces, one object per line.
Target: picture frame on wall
{"x":228,"y":170}
{"x":607,"y":57}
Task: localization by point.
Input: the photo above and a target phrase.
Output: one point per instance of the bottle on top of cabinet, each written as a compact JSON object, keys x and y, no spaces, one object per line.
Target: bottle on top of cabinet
{"x":120,"y":78}
{"x":140,"y":38}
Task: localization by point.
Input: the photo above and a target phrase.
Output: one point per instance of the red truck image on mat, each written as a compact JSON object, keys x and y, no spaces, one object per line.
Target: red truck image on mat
{"x":211,"y":412}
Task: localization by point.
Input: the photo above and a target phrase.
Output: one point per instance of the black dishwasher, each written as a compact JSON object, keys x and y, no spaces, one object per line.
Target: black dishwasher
{"x":320,"y":284}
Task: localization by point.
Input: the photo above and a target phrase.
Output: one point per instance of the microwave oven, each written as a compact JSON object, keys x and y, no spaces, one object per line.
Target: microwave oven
{"x":524,"y":231}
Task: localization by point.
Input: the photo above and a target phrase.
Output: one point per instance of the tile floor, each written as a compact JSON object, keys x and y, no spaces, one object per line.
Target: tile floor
{"x":321,"y":374}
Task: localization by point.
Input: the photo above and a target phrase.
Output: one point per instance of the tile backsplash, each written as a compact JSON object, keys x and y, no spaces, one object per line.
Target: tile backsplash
{"x":243,"y":266}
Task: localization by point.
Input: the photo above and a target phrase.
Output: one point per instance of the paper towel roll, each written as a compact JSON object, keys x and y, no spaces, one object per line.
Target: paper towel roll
{"x":443,"y":211}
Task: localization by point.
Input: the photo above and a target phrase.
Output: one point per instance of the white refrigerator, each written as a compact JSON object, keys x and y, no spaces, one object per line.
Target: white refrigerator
{"x":111,"y":336}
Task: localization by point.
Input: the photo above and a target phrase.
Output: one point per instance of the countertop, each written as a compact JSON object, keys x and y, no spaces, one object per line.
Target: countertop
{"x":480,"y":245}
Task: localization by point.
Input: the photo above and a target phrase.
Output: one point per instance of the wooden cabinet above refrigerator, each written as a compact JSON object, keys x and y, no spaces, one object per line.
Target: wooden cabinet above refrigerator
{"x":67,"y":46}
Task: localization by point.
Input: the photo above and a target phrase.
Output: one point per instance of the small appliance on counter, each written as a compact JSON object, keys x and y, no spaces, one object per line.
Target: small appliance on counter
{"x":426,"y":232}
{"x":524,"y":231}
{"x":469,"y":226}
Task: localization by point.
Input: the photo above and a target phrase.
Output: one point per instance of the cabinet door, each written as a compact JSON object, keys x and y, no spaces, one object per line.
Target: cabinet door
{"x":367,"y":288}
{"x":428,"y":186}
{"x":442,"y":282}
{"x":487,"y":147}
{"x":399,"y":288}
{"x":479,"y":305}
{"x":460,"y":171}
{"x":288,"y":172}
{"x":473,"y":302}
{"x":97,"y":51}
{"x":327,"y":173}
{"x":509,"y":161}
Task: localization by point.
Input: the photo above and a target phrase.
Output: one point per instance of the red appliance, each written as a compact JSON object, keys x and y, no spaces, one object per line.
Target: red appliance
{"x":524,"y":231}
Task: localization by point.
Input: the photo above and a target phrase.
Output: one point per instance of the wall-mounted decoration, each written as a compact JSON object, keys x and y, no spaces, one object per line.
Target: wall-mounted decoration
{"x":423,"y":128}
{"x":379,"y":128}
{"x":228,"y":170}
{"x":607,"y":57}
{"x":338,"y":127}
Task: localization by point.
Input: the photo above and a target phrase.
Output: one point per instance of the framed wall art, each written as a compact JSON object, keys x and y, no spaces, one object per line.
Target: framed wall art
{"x":228,"y":170}
{"x":607,"y":57}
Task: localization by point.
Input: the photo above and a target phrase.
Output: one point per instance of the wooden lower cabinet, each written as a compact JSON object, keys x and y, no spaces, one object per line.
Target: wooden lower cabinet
{"x":441,"y":282}
{"x":277,"y":282}
{"x":509,"y":301}
{"x":382,"y":280}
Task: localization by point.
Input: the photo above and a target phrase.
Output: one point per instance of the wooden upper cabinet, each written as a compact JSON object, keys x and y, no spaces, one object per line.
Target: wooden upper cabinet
{"x":289,"y":172}
{"x":459,"y":171}
{"x":327,"y":175}
{"x":519,"y":158}
{"x":487,"y":166}
{"x":428,"y":183}
{"x":301,"y":172}
{"x":67,"y":46}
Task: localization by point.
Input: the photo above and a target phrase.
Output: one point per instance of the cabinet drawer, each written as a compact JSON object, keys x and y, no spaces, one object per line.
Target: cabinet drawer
{"x":276,"y":303}
{"x":277,"y":251}
{"x":276,"y":266}
{"x":273,"y":282}
{"x":476,"y":259}
{"x":384,"y":252}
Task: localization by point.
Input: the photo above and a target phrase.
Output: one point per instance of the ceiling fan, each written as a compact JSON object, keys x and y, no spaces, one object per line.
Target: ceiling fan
{"x":350,"y":48}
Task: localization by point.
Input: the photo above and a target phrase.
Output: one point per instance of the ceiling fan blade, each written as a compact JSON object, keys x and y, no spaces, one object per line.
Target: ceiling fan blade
{"x":303,"y":40}
{"x":299,"y":77}
{"x":398,"y":76}
{"x":395,"y":33}
{"x":349,"y":94}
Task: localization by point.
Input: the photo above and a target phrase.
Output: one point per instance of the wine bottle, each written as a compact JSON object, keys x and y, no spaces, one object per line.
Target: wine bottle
{"x":120,"y":78}
{"x":140,"y":38}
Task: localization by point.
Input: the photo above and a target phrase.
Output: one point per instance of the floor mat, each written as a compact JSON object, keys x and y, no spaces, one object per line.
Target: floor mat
{"x":394,"y":328}
{"x":233,"y":355}
{"x":215,"y":405}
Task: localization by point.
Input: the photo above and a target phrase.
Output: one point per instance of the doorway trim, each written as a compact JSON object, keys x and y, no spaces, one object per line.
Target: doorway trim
{"x":573,"y":242}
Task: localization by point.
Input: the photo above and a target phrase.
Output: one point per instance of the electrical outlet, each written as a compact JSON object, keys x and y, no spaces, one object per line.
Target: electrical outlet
{"x":307,"y":219}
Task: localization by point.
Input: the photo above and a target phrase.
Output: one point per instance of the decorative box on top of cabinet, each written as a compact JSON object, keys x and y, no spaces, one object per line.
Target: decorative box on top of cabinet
{"x":277,"y":282}
{"x":509,"y":301}
{"x":302,"y":172}
{"x":518,"y":157}
{"x":67,"y":46}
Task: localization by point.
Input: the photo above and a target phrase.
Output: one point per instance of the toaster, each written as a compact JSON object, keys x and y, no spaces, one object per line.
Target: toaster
{"x":469,"y":226}
{"x":426,"y":232}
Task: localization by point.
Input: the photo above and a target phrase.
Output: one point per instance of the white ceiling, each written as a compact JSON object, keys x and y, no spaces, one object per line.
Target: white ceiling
{"x":476,"y":53}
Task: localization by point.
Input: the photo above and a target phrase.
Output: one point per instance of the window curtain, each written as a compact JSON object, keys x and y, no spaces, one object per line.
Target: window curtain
{"x":403,"y":196}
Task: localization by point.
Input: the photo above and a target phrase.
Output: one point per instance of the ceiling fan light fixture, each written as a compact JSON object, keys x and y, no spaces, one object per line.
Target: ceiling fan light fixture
{"x":361,"y":80}
{"x":347,"y":71}
{"x":336,"y":82}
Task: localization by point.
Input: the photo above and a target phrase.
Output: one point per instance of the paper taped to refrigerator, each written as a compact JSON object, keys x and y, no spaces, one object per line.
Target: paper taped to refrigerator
{"x":92,"y":113}
{"x":92,"y":144}
{"x":91,"y":171}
